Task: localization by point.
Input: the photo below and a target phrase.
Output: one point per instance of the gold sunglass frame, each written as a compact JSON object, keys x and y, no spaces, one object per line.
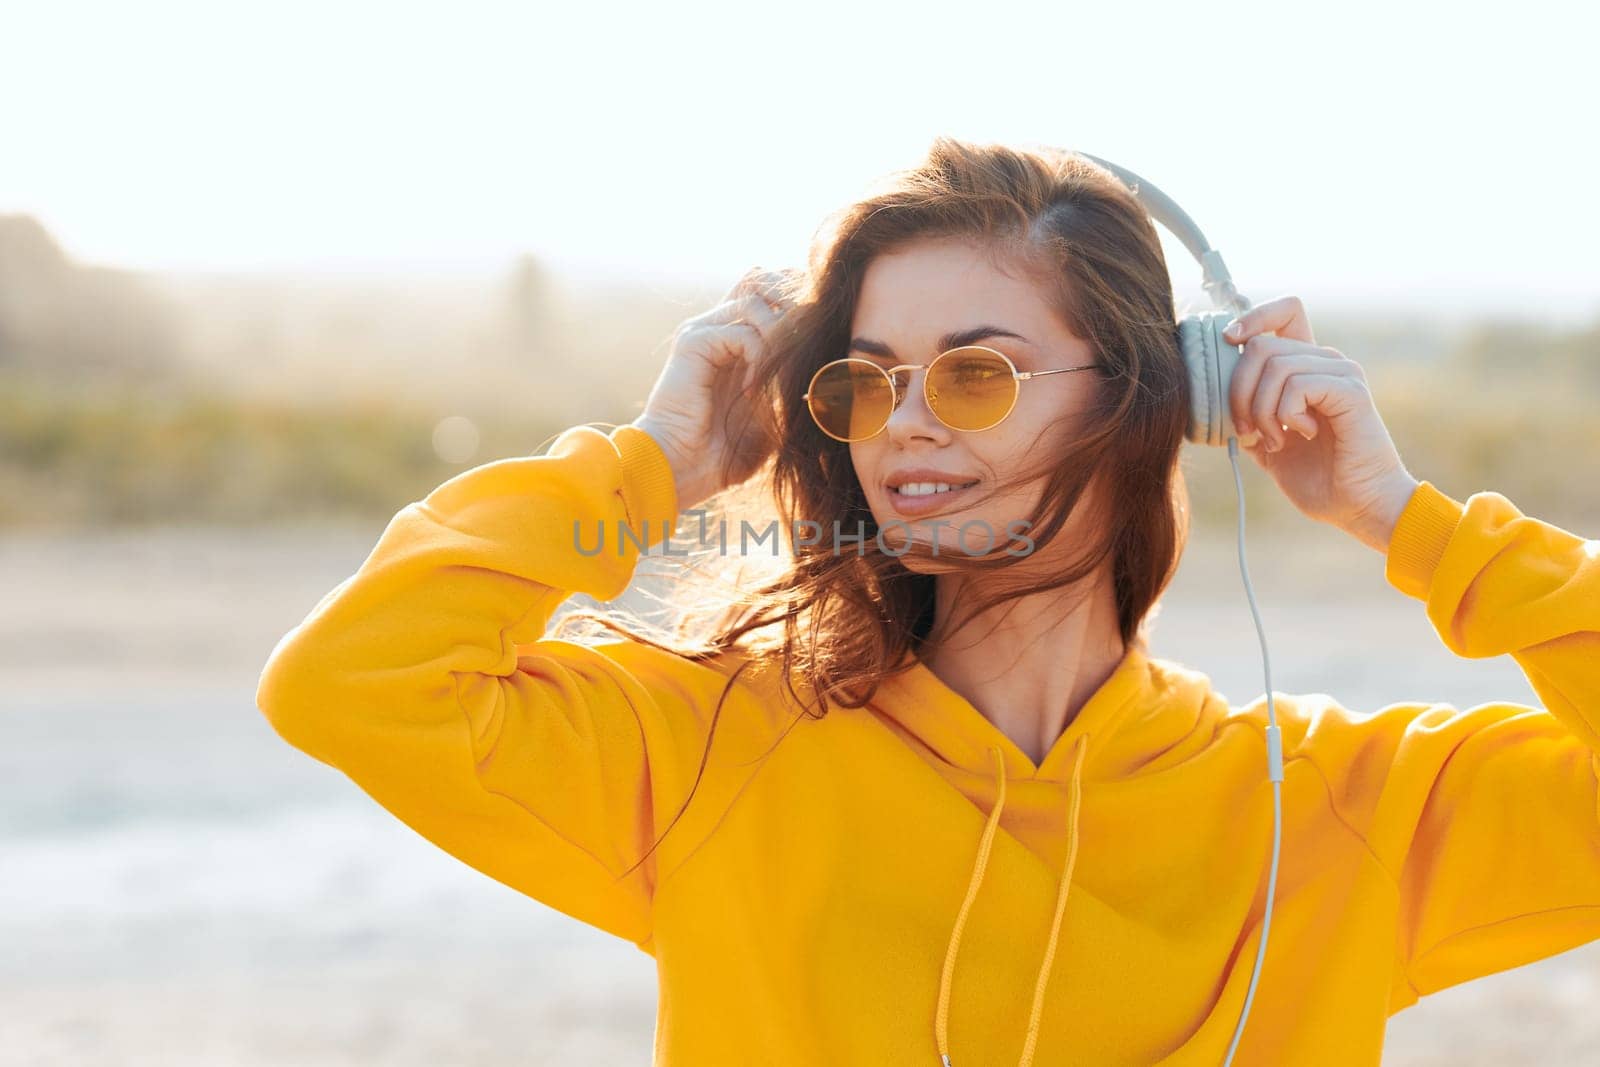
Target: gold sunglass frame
{"x":899,"y":397}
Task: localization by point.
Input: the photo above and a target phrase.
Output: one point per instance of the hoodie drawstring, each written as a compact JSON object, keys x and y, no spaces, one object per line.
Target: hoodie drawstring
{"x":941,"y":1020}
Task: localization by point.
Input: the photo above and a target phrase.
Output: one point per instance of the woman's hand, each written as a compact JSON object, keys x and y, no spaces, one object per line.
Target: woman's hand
{"x":1335,"y":460}
{"x":700,"y":411}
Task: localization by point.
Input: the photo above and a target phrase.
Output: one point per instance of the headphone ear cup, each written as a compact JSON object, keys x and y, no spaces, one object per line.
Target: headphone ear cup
{"x":1210,"y":360}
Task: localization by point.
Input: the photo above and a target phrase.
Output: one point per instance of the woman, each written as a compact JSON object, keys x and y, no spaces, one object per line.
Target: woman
{"x":930,"y":798}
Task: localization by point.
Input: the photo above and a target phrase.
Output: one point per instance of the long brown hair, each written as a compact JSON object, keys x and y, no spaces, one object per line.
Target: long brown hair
{"x":842,"y":621}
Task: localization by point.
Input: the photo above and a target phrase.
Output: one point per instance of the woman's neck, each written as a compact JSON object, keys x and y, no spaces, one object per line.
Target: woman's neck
{"x":1030,"y":664}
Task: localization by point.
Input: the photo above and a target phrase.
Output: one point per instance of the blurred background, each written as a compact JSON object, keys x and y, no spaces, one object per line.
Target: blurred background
{"x":268,"y":273}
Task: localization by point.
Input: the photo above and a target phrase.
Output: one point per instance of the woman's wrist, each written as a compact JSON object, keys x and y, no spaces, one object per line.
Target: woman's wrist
{"x":688,"y":482}
{"x":1375,"y":527}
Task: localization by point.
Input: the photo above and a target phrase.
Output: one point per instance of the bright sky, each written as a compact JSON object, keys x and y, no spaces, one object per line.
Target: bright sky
{"x":1404,"y":154}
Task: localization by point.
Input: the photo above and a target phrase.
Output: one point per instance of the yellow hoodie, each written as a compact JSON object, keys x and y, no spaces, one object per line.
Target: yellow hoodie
{"x":889,"y":884}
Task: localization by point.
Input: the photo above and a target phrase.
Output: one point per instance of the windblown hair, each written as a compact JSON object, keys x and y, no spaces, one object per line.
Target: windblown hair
{"x":842,"y":621}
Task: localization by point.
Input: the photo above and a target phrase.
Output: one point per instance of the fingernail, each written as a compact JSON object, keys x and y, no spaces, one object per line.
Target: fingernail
{"x":1232,"y":329}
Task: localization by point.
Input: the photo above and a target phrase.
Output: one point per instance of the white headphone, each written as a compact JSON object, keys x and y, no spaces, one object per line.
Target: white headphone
{"x":1211,"y":360}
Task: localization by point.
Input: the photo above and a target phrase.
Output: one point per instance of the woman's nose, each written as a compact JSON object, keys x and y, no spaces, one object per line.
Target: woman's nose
{"x":912,"y":417}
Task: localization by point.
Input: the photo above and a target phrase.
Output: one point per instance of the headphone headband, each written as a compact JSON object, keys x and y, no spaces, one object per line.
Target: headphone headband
{"x":1208,"y":356}
{"x":1218,"y":283}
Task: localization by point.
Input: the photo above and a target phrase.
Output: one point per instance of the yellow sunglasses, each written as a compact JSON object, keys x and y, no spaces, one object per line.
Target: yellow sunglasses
{"x":968,"y":388}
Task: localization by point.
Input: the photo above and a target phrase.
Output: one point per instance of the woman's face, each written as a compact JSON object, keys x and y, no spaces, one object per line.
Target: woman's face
{"x":909,"y":300}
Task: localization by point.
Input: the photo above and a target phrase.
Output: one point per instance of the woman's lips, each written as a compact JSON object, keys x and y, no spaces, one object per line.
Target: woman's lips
{"x":914,"y":506}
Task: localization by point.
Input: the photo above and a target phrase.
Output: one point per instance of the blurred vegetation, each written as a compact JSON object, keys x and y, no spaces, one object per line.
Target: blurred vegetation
{"x":151,"y":399}
{"x":163,"y":455}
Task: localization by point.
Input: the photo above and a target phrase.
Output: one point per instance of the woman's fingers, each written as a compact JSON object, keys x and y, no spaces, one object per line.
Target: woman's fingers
{"x":1261,"y":369}
{"x":704,"y":391}
{"x":750,"y":312}
{"x":761,"y":298}
{"x":756,"y":303}
{"x":1335,"y":397}
{"x":1273,"y":404}
{"x":774,"y":286}
{"x":743,"y":286}
{"x":1282,"y":398}
{"x":1286,"y":316}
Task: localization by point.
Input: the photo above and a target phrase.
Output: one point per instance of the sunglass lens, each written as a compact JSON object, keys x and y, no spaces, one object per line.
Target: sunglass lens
{"x":971,"y":388}
{"x":851,"y":400}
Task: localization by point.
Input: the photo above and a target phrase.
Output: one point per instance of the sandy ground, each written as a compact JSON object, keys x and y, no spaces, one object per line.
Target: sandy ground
{"x":180,"y":887}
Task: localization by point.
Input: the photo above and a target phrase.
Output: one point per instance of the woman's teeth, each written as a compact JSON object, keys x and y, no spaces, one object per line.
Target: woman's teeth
{"x":929,"y":488}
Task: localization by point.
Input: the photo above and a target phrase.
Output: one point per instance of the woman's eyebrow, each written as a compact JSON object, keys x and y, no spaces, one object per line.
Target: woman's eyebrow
{"x":954,"y":339}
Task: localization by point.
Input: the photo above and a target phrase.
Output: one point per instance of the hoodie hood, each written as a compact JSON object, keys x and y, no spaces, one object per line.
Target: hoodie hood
{"x":1144,"y":709}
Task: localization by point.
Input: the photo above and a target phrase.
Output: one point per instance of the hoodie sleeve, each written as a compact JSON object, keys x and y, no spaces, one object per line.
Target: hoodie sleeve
{"x":1486,"y":818}
{"x":425,"y":676}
